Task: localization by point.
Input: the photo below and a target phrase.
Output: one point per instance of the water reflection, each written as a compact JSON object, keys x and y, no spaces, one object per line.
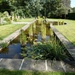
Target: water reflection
{"x":14,"y":49}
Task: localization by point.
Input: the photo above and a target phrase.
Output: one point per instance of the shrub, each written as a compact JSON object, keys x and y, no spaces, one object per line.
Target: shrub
{"x":71,"y":16}
{"x":8,"y":20}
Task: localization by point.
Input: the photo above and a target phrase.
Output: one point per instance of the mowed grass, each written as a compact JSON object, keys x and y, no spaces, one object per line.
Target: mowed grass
{"x":6,"y":30}
{"x":8,"y":72}
{"x":67,"y":30}
{"x":26,"y":20}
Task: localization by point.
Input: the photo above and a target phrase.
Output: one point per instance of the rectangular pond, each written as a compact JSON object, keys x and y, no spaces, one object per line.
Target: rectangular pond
{"x":36,"y":42}
{"x":34,"y":34}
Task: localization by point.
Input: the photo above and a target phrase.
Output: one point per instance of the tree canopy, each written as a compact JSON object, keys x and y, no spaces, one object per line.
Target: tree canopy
{"x":33,"y":8}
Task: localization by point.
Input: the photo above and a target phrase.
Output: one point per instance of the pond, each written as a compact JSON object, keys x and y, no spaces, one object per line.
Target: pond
{"x":34,"y":34}
{"x":12,"y":51}
{"x":36,"y":42}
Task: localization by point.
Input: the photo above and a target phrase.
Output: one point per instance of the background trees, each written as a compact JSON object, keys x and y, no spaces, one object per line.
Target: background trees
{"x":33,"y":8}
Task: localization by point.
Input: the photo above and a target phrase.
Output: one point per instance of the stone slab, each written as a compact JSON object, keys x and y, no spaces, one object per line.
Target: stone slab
{"x":12,"y":64}
{"x":38,"y":65}
{"x":68,"y":67}
{"x":55,"y":66}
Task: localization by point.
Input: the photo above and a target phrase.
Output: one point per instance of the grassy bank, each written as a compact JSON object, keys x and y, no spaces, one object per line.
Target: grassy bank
{"x":8,"y":72}
{"x":6,"y":30}
{"x":67,"y":30}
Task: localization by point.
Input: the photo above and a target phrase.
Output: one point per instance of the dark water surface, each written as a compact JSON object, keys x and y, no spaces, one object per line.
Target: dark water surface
{"x":14,"y":49}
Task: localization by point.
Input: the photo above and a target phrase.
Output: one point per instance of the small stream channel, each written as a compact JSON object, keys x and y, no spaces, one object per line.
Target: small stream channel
{"x":33,"y":34}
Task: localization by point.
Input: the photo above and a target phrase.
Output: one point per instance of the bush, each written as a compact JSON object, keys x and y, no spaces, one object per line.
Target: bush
{"x":71,"y":16}
{"x":8,"y":20}
{"x":6,"y":14}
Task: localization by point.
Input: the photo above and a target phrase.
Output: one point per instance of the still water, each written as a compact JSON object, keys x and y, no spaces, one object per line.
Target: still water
{"x":14,"y":49}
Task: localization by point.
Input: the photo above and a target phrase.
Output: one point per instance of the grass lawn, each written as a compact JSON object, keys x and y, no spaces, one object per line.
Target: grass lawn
{"x":67,"y":30}
{"x":6,"y":30}
{"x":26,"y":20}
{"x":8,"y":72}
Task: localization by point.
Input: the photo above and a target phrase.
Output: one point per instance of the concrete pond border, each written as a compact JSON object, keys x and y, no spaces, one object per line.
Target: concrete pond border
{"x":14,"y":35}
{"x":67,"y":44}
{"x":35,"y":65}
{"x":41,"y":65}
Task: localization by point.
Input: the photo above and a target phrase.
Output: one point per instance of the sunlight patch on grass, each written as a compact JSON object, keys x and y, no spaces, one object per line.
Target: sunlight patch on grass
{"x":6,"y":30}
{"x":26,"y":20}
{"x":67,"y":30}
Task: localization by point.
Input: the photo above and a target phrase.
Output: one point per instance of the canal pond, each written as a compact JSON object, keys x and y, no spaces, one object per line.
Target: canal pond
{"x":36,"y":42}
{"x":33,"y":33}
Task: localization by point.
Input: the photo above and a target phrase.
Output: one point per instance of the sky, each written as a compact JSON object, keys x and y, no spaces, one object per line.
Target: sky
{"x":72,"y":3}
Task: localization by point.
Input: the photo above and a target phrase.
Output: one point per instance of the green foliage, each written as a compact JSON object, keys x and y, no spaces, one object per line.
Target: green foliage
{"x":22,"y":38}
{"x":68,"y":31}
{"x":1,"y":15}
{"x":43,"y":31}
{"x":5,"y":6}
{"x":6,"y":14}
{"x":73,"y":9}
{"x":48,"y":50}
{"x":3,"y":45}
{"x":8,"y":20}
{"x":6,"y":30}
{"x":22,"y":72}
{"x":71,"y":16}
{"x":29,"y":8}
{"x":30,"y":31}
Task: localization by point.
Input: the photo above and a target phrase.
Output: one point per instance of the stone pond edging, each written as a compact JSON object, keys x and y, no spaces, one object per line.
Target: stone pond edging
{"x":14,"y":35}
{"x":67,"y":44}
{"x":35,"y":65}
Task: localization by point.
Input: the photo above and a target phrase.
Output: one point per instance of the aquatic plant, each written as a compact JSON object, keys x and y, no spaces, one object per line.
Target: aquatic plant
{"x":43,"y":31}
{"x":22,"y":38}
{"x":34,"y":28}
{"x":3,"y":45}
{"x":48,"y":50}
{"x":30,"y":31}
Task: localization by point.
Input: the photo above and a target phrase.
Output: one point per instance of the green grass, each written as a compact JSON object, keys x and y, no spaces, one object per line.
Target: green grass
{"x":8,"y":72}
{"x":6,"y":30}
{"x":67,"y":30}
{"x":69,"y":22}
{"x":26,"y":20}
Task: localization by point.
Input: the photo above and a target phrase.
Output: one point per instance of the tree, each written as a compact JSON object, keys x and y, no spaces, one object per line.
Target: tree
{"x":5,"y":6}
{"x":64,"y":8}
{"x":31,"y":8}
{"x":62,"y":11}
{"x":50,"y":7}
{"x":73,"y":9}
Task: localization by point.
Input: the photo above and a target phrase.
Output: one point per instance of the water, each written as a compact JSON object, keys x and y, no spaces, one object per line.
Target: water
{"x":14,"y":49}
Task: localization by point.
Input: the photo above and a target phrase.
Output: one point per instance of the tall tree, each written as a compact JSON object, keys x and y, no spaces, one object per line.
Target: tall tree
{"x":5,"y":6}
{"x":50,"y":7}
